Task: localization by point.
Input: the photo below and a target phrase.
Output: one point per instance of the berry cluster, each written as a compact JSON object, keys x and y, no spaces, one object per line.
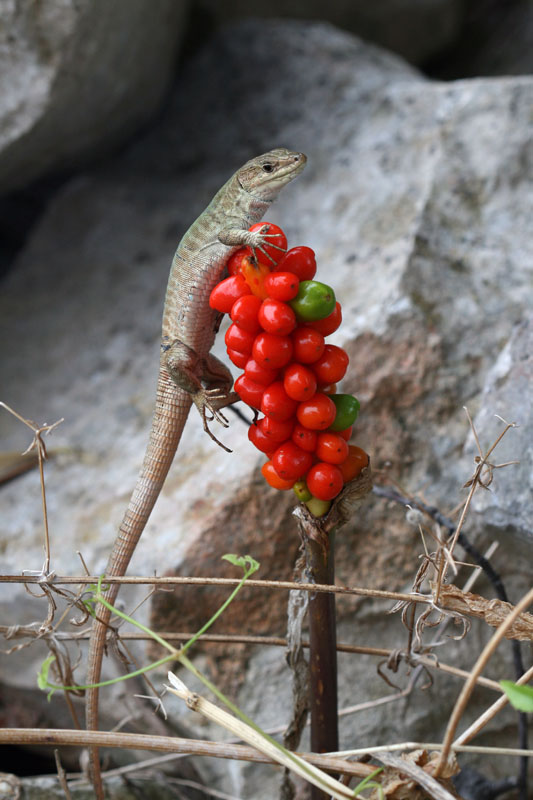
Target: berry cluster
{"x":280,"y":318}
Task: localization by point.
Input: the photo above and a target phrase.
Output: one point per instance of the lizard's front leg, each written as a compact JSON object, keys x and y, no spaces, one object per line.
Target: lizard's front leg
{"x":207,"y":380}
{"x":255,"y":239}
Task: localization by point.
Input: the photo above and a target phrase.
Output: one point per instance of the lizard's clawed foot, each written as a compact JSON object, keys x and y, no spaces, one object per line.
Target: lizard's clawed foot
{"x":258,"y":240}
{"x":209,"y":402}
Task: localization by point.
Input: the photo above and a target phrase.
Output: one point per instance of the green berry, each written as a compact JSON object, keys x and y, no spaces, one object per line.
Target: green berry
{"x":318,"y":508}
{"x":301,"y":491}
{"x":314,"y":301}
{"x":347,"y":410}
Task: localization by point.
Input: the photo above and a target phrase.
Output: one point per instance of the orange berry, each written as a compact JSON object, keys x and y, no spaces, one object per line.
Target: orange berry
{"x":357,"y":460}
{"x":272,"y":478}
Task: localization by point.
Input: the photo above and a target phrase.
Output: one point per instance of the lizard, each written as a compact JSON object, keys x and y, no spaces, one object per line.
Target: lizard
{"x":188,"y":373}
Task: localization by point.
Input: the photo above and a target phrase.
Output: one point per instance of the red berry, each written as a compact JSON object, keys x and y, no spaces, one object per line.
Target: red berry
{"x":227,"y":291}
{"x":317,"y":413}
{"x":277,"y":317}
{"x":308,"y":345}
{"x":299,"y":382}
{"x":239,"y":359}
{"x":331,"y":448}
{"x":330,"y":323}
{"x":238,"y":261}
{"x":299,"y":260}
{"x":304,"y":438}
{"x":346,"y":433}
{"x":237,"y":338}
{"x":262,"y":442}
{"x":244,"y":313}
{"x":357,"y":460}
{"x":271,"y":350}
{"x":274,"y":236}
{"x":275,"y":430}
{"x":332,"y":364}
{"x":260,"y":374}
{"x":249,"y":391}
{"x":324,"y":481}
{"x":291,"y":462}
{"x":273,"y":479}
{"x":282,"y":285}
{"x":277,"y":404}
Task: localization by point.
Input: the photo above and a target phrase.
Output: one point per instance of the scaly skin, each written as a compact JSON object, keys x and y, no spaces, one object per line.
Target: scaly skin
{"x":188,"y":372}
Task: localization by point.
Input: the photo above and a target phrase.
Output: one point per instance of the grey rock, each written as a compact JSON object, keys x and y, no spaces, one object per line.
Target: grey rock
{"x":77,"y":78}
{"x":415,"y":29}
{"x":506,"y":507}
{"x":48,"y":788}
{"x":417,"y":200}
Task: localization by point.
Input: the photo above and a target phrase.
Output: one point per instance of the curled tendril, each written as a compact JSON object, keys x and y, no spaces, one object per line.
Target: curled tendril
{"x":393,"y":662}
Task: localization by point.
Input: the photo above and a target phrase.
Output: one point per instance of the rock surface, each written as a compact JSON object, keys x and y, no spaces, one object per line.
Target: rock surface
{"x":415,"y":29}
{"x":417,"y":200}
{"x":77,"y":78}
{"x":506,"y":508}
{"x":47,"y":788}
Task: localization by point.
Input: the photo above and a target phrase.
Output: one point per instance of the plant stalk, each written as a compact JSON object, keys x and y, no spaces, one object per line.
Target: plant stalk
{"x":322,"y":650}
{"x":318,"y":537}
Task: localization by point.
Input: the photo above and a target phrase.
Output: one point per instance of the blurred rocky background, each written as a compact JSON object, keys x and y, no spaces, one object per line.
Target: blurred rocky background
{"x":119,"y":121}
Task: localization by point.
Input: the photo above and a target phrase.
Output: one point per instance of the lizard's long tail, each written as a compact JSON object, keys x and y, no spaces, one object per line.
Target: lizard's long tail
{"x":171,"y":411}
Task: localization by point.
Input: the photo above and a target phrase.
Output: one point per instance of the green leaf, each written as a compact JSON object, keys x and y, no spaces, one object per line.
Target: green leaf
{"x":42,"y":676}
{"x":248,"y":564}
{"x":253,"y":565}
{"x":520,"y":697}
{"x":237,"y":561}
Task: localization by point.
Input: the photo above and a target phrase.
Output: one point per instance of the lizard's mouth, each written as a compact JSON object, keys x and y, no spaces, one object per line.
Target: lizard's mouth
{"x":290,"y":165}
{"x":271,"y":172}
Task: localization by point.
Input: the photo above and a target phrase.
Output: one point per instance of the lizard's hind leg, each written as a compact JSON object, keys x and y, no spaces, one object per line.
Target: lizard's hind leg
{"x":207,"y":380}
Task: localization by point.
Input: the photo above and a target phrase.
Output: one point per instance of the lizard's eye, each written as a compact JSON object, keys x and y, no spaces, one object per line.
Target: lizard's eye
{"x":267,"y":167}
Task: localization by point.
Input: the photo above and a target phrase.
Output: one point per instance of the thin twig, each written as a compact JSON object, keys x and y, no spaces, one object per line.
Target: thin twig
{"x":169,"y":744}
{"x":180,"y":580}
{"x":499,"y":588}
{"x":78,"y":780}
{"x":490,"y":713}
{"x":475,"y":480}
{"x":468,"y":687}
{"x":39,"y":446}
{"x":271,"y":641}
{"x":61,"y":775}
{"x":459,"y":536}
{"x":344,"y":712}
{"x":405,"y":746}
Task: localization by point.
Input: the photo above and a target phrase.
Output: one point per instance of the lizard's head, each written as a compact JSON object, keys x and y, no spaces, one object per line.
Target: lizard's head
{"x":264,"y":176}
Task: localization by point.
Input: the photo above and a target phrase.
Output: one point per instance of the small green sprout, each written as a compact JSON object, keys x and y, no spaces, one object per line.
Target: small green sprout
{"x":369,"y":783}
{"x":520,"y":697}
{"x":96,"y":596}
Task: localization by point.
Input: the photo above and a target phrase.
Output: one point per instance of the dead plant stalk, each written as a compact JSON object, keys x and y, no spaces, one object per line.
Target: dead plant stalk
{"x":468,"y":687}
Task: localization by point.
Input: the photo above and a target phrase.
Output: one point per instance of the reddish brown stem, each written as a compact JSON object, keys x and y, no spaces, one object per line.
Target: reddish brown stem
{"x":322,"y":650}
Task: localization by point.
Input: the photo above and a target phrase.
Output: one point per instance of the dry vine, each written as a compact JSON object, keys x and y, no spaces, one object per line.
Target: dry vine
{"x":441,"y":603}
